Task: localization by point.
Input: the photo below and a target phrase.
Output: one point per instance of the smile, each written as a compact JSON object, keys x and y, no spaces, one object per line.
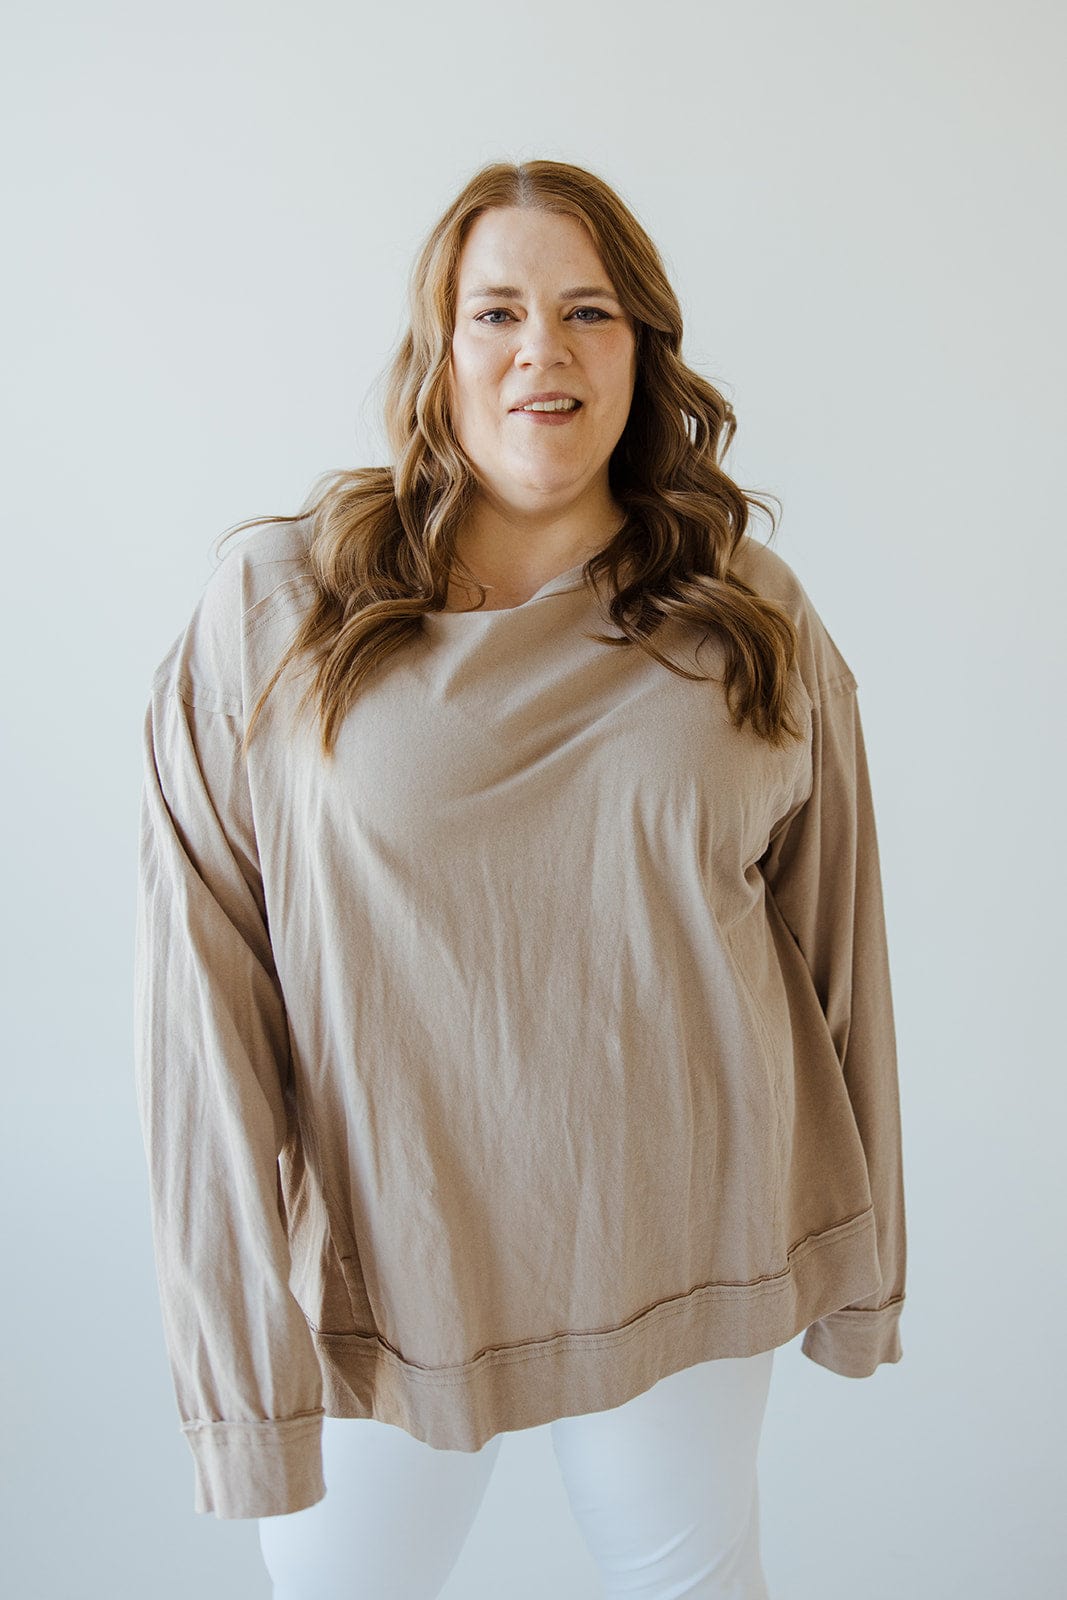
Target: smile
{"x":550,"y":405}
{"x":553,"y":413}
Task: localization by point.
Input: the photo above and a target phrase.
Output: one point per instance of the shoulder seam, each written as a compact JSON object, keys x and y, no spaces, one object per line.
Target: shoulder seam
{"x":203,"y":697}
{"x":262,"y":606}
{"x":845,"y":683}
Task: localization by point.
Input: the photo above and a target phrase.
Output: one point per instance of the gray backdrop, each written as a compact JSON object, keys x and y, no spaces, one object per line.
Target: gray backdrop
{"x":211,"y":212}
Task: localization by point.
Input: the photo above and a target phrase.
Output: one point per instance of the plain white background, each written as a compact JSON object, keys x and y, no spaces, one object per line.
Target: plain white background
{"x":211,"y":213}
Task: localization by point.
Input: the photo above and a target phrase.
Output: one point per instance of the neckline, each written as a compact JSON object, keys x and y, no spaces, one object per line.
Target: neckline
{"x":570,"y":579}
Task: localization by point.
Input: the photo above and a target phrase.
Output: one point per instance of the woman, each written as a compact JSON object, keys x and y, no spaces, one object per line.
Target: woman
{"x":514,"y":1031}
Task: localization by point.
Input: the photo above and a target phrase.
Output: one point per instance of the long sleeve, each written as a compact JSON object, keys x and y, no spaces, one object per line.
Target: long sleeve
{"x":211,"y":1058}
{"x":822,"y":868}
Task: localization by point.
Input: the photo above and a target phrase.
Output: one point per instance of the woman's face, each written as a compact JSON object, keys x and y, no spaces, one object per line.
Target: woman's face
{"x":536,"y":312}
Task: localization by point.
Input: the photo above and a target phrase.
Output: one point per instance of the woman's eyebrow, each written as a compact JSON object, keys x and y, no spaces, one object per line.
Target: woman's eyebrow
{"x":508,"y":291}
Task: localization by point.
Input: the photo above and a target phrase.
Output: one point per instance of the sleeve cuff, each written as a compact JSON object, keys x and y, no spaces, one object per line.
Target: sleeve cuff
{"x":853,"y":1343}
{"x":257,"y":1469}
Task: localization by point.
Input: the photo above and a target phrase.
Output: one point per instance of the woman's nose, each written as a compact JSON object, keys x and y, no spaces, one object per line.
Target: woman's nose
{"x":542,"y":340}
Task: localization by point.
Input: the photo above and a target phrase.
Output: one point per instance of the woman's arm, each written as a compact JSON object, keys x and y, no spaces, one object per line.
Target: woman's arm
{"x":822,"y":869}
{"x":212,"y":1052}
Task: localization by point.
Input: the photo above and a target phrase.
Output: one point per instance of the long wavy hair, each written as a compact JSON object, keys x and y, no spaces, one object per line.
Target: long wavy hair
{"x":382,"y":540}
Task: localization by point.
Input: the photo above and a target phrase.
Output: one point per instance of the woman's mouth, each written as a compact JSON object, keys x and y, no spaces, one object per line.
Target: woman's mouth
{"x":552,"y":412}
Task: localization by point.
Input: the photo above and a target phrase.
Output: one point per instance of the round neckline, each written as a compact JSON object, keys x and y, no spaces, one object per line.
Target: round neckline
{"x":571,"y":579}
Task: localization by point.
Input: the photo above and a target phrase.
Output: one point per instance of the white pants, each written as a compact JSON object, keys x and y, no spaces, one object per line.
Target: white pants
{"x":664,"y":1491}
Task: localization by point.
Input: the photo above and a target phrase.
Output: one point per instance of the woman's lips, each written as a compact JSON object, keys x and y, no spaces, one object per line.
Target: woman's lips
{"x":552,"y":419}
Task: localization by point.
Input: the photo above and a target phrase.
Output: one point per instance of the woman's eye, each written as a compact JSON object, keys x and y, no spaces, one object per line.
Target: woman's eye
{"x":596,"y":315}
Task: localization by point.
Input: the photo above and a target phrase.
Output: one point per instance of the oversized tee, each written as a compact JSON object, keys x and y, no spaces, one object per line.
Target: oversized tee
{"x":534,"y":1047}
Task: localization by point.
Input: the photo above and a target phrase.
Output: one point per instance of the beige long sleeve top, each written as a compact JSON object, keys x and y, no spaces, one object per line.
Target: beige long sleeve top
{"x":539,"y":1047}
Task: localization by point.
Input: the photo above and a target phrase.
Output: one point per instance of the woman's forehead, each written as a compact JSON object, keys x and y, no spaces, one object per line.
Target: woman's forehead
{"x":507,"y":246}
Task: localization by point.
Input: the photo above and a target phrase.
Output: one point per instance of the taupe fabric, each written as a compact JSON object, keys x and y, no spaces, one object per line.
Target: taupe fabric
{"x":537,"y":1047}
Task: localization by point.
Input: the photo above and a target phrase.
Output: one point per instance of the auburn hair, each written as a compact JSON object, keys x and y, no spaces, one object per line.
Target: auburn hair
{"x":381,"y":540}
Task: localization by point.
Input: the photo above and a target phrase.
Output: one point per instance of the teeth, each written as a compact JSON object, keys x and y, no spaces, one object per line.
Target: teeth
{"x":551,"y":405}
